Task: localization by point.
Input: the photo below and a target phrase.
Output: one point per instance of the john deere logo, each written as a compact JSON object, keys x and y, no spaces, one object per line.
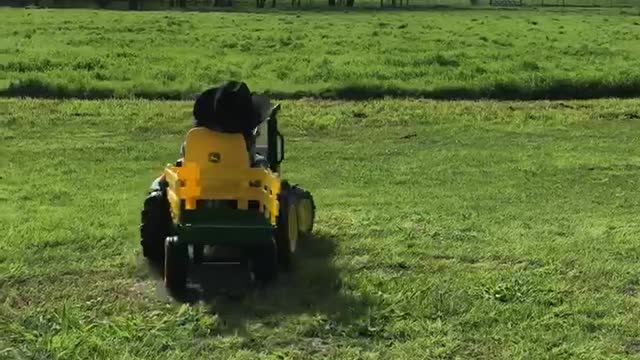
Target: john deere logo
{"x":214,"y":157}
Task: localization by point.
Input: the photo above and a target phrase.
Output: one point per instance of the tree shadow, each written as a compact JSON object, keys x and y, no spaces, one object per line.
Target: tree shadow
{"x":313,"y":286}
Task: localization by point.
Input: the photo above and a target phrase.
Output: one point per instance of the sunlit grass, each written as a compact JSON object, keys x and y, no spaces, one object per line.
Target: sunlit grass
{"x":445,"y":230}
{"x":438,"y":54}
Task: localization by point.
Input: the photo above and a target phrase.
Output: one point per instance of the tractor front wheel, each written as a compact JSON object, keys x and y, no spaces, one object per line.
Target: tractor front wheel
{"x":155,"y":226}
{"x":306,"y":211}
{"x":287,"y":231}
{"x":175,"y":264}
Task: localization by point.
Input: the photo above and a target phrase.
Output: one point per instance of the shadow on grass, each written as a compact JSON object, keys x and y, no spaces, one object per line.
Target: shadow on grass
{"x":314,"y":286}
{"x":553,"y":90}
{"x":37,"y":89}
{"x":556,"y":90}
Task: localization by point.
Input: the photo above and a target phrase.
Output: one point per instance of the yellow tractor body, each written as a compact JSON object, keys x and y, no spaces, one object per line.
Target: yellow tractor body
{"x":216,"y":197}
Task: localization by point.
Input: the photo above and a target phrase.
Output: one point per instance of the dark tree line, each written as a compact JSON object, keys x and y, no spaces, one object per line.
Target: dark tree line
{"x":133,"y":4}
{"x":138,"y":4}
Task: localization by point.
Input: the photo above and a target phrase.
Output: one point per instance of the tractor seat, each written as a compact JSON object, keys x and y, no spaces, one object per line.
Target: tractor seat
{"x":216,"y":172}
{"x":216,"y":151}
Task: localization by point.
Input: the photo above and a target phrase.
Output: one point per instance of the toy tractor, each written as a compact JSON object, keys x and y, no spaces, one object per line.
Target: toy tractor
{"x":214,"y":202}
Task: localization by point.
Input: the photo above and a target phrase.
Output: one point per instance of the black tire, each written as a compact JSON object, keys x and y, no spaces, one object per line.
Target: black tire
{"x":287,"y":232}
{"x":264,"y":263}
{"x":155,"y":226}
{"x":176,"y":262}
{"x":198,"y":254}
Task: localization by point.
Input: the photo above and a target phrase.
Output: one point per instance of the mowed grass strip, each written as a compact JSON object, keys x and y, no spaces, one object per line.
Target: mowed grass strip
{"x":444,"y":230}
{"x":444,"y":54}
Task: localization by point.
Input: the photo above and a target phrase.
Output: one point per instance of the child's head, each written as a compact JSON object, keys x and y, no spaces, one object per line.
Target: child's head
{"x":230,"y":107}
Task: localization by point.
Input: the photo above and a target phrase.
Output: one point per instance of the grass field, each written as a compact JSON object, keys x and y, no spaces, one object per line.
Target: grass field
{"x":445,"y":229}
{"x":446,"y":54}
{"x":499,"y":230}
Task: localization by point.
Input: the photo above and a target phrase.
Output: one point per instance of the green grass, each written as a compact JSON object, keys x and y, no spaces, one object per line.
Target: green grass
{"x":446,"y":54}
{"x":493,"y":230}
{"x":445,"y":229}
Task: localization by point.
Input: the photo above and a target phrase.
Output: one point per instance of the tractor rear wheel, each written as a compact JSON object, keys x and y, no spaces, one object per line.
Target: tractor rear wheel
{"x":155,"y":226}
{"x":176,"y":261}
{"x":264,"y":262}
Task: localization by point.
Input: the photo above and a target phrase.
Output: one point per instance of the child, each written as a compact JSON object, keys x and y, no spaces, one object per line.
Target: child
{"x":230,"y":108}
